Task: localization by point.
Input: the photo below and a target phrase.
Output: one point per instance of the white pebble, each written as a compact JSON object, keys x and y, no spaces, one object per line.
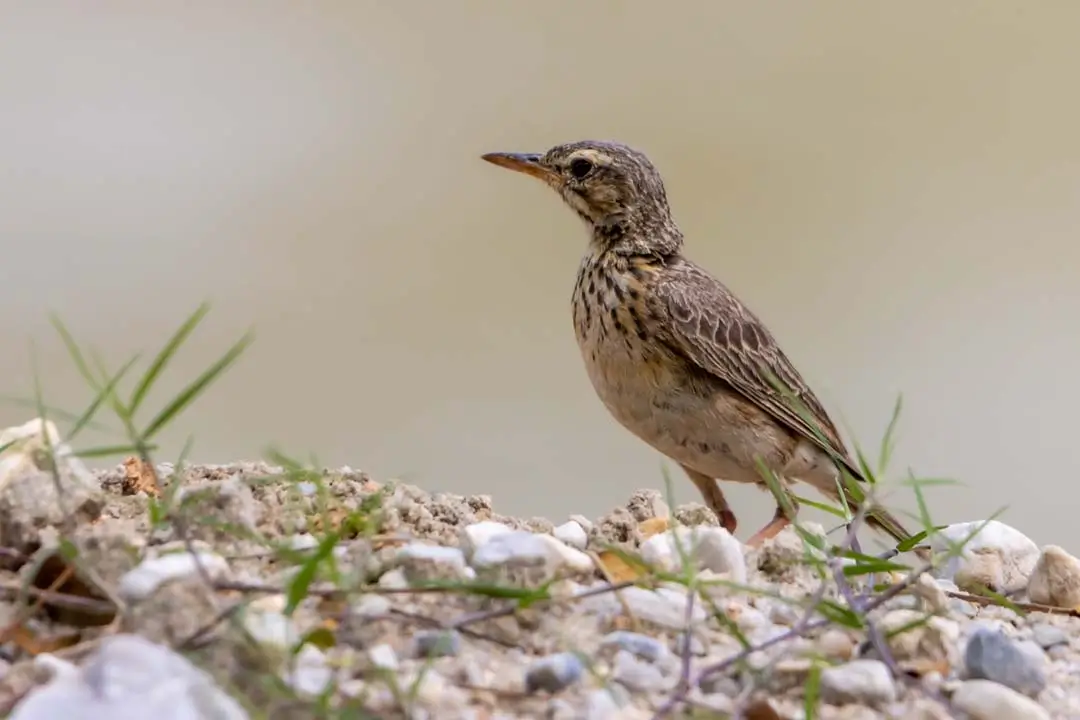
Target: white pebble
{"x":987,"y":700}
{"x":476,"y":535}
{"x":523,"y":548}
{"x":427,"y":562}
{"x":143,"y":581}
{"x":710,"y":548}
{"x":383,"y":656}
{"x":859,"y":681}
{"x":573,"y":534}
{"x":998,"y":557}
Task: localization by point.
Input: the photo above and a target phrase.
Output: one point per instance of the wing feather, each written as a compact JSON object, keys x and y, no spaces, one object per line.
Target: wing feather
{"x":713,"y":329}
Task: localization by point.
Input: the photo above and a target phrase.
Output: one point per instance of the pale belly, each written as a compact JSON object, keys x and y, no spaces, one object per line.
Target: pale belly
{"x":687,"y":418}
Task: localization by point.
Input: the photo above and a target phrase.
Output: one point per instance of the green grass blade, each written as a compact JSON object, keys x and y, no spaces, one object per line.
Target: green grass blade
{"x":888,"y":441}
{"x":113,"y":450}
{"x":88,"y":415}
{"x":193,"y":390}
{"x":824,"y":507}
{"x":301,"y":582}
{"x":73,"y":350}
{"x":158,"y":365}
{"x":812,"y":693}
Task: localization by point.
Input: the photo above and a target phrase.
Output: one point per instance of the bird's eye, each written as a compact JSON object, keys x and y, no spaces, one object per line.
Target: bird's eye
{"x":580,"y":167}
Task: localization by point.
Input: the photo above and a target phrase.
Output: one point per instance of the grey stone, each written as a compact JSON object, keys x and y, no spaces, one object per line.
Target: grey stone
{"x":990,"y":655}
{"x":554,"y":673}
{"x":1047,"y":636}
{"x":635,"y":674}
{"x":436,"y":643}
{"x":642,"y":646}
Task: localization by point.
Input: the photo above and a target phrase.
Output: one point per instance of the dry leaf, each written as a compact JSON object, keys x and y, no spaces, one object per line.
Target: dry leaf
{"x":139,"y":477}
{"x":654,"y":526}
{"x":618,"y":569}
{"x":35,"y":645}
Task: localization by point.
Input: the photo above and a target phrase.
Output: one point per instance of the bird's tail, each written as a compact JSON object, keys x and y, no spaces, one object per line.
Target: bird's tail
{"x":877,"y":517}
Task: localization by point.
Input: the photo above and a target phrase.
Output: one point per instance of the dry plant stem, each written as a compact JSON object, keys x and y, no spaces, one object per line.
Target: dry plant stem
{"x":984,"y":601}
{"x":873,"y":632}
{"x":684,"y":671}
{"x":179,"y":520}
{"x":512,"y":608}
{"x":399,"y":615}
{"x":64,"y":600}
{"x":805,"y":624}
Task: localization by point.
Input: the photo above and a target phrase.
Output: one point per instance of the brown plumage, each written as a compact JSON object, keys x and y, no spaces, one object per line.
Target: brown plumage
{"x":675,"y":357}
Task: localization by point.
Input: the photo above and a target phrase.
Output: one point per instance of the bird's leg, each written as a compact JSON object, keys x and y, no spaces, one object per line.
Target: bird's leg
{"x":781,"y":519}
{"x":714,"y":498}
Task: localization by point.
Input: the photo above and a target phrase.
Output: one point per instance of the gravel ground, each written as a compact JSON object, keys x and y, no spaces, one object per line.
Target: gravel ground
{"x":289,"y":594}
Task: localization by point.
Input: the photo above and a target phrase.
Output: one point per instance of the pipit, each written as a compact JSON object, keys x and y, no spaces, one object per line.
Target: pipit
{"x":675,"y":357}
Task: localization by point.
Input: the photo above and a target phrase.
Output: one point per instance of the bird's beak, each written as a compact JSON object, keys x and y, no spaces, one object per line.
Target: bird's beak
{"x":528,"y":163}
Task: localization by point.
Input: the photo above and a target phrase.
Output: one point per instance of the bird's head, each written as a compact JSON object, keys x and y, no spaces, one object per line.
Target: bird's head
{"x":614,"y":188}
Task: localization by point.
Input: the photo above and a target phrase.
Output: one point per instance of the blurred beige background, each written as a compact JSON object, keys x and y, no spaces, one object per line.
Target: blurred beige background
{"x":895,"y":188}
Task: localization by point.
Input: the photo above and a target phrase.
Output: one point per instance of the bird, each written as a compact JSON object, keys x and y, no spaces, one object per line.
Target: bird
{"x":676,"y":358}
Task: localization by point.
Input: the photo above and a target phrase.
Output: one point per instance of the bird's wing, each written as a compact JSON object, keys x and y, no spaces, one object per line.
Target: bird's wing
{"x":710,"y":327}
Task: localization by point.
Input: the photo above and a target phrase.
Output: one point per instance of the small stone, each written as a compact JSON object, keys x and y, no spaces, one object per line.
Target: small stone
{"x":860,"y":681}
{"x":720,"y":684}
{"x":998,"y":557}
{"x":1055,"y":579}
{"x":584,"y":522}
{"x":573,"y":534}
{"x":836,"y":644}
{"x":559,"y":709}
{"x":932,"y":595}
{"x":309,"y":673}
{"x":1047,"y":636}
{"x":664,"y":607}
{"x":422,"y":563}
{"x":393,"y":580}
{"x":987,"y":700}
{"x":990,"y":655}
{"x":693,"y":514}
{"x":436,"y":643}
{"x":912,"y":636}
{"x":641,"y":646}
{"x":602,"y":704}
{"x":269,"y":626}
{"x":476,"y":535}
{"x":370,"y":606}
{"x":302,"y":542}
{"x":784,"y":558}
{"x":635,"y":674}
{"x":127,"y":677}
{"x":646,"y":504}
{"x":521,"y":548}
{"x":554,"y":673}
{"x":383,"y":656}
{"x":710,"y":548}
{"x":690,"y":643}
{"x":143,"y":581}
